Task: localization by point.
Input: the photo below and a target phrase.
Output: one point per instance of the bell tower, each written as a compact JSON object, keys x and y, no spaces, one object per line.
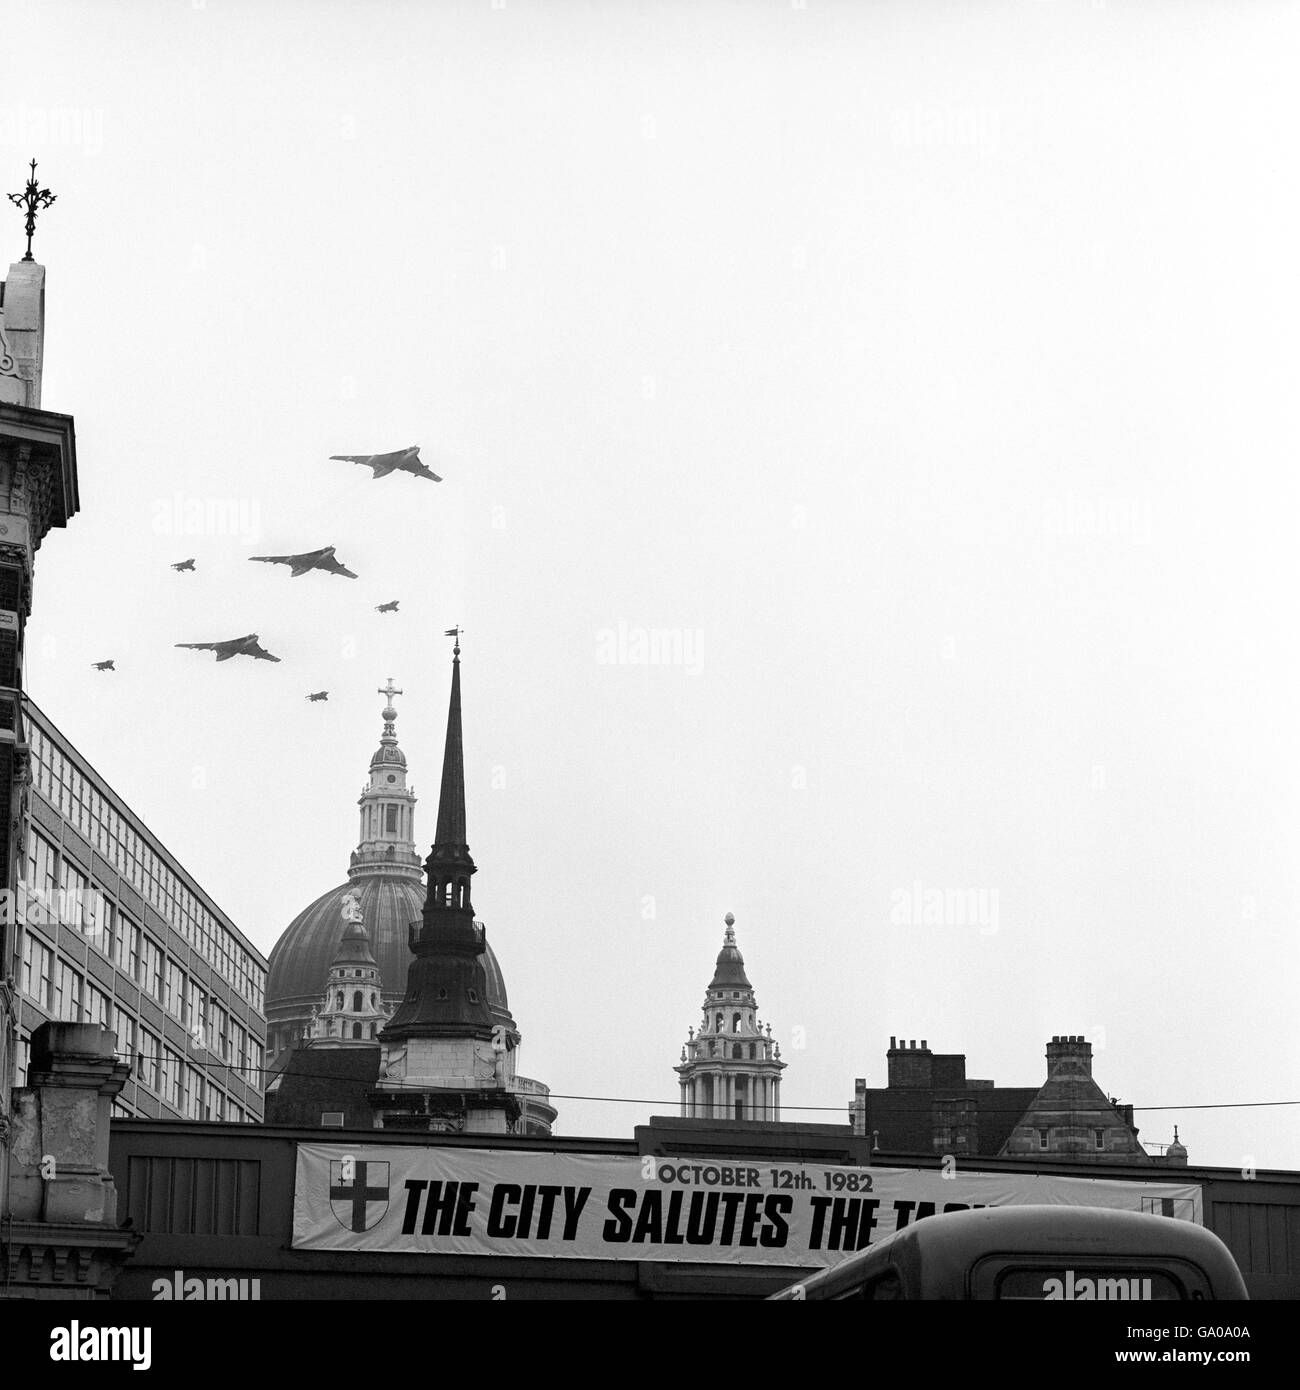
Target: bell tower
{"x":386,"y":839}
{"x":731,"y":1069}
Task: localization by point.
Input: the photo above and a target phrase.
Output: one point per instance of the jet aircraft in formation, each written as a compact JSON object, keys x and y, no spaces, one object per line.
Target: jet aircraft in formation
{"x":404,"y":460}
{"x":320,"y":695}
{"x":309,"y":560}
{"x":234,"y":646}
{"x":103,"y":666}
{"x":380,"y":465}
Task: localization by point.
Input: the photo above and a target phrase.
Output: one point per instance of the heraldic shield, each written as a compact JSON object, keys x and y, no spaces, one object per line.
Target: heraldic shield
{"x":358,"y":1192}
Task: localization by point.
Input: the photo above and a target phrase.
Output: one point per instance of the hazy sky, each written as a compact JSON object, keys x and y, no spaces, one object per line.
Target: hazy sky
{"x":926,"y":371}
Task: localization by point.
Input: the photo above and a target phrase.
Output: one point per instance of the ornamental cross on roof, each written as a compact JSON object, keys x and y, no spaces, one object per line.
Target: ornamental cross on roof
{"x":33,"y":199}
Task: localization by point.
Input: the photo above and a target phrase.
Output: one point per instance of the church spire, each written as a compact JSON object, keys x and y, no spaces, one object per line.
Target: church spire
{"x":451,"y":800}
{"x":446,"y":988}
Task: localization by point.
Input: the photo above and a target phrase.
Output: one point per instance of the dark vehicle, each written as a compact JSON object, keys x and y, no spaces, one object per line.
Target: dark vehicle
{"x":1052,"y":1253}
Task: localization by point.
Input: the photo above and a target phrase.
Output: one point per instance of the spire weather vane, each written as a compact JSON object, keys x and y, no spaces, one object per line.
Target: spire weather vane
{"x":454,"y":632}
{"x":33,"y":199}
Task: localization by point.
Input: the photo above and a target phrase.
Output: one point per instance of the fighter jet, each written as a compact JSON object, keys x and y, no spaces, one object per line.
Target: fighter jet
{"x":183,"y":565}
{"x":388,"y":607}
{"x":319,"y":695}
{"x":236,"y":646}
{"x":103,"y":666}
{"x":408,"y":460}
{"x":310,"y":560}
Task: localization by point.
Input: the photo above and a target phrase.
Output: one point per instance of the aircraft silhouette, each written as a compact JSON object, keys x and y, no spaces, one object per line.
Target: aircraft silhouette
{"x":183,"y":565}
{"x":235,"y":646}
{"x":309,"y":560}
{"x":103,"y":666}
{"x":320,"y":695}
{"x":388,"y":607}
{"x":407,"y":460}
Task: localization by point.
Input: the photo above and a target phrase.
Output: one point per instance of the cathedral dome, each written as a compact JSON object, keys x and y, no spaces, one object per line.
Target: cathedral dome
{"x":300,"y":960}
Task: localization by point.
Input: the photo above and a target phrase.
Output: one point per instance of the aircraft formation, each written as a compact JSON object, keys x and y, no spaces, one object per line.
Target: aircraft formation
{"x":381,"y":466}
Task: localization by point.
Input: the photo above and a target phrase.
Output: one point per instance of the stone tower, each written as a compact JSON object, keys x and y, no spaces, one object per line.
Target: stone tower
{"x":731,"y":1069}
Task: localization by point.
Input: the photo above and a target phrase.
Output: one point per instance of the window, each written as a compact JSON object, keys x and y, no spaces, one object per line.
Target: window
{"x":128,"y":946}
{"x":67,"y":993}
{"x":74,"y":887}
{"x":100,"y":924}
{"x":356,"y":1001}
{"x":356,"y":1030}
{"x":1042,"y":1138}
{"x":194,"y":1105}
{"x":171,"y":1077}
{"x":150,"y":1055}
{"x":38,"y":972}
{"x":196,"y":1012}
{"x":1099,"y":1138}
{"x":174,"y":990}
{"x":99,"y":1007}
{"x":124,"y":1030}
{"x":390,"y":819}
{"x":331,"y":1119}
{"x":40,"y":869}
{"x":220,"y":1022}
{"x":151,"y":966}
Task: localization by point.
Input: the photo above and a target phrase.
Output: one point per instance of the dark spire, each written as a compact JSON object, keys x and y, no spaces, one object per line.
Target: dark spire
{"x":451,"y":800}
{"x":446,"y":986}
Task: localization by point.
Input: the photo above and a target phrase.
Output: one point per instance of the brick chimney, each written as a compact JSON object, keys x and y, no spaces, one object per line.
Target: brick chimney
{"x":1069,"y":1056}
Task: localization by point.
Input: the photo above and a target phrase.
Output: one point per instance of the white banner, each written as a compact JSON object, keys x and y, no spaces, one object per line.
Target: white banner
{"x":407,"y":1200}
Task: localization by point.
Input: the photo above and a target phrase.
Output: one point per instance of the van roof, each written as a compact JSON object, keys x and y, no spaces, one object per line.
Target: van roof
{"x":1042,"y":1229}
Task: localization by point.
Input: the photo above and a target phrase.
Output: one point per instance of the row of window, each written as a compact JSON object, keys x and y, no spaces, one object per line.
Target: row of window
{"x":65,"y":892}
{"x":156,"y":1066}
{"x":73,"y":795}
{"x":1098,"y":1138}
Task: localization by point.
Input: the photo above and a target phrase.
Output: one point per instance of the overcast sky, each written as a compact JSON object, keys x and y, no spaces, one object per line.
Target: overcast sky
{"x":928,"y":372}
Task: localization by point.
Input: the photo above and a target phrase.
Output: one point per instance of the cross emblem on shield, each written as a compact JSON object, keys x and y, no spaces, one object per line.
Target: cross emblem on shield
{"x":362,"y":1202}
